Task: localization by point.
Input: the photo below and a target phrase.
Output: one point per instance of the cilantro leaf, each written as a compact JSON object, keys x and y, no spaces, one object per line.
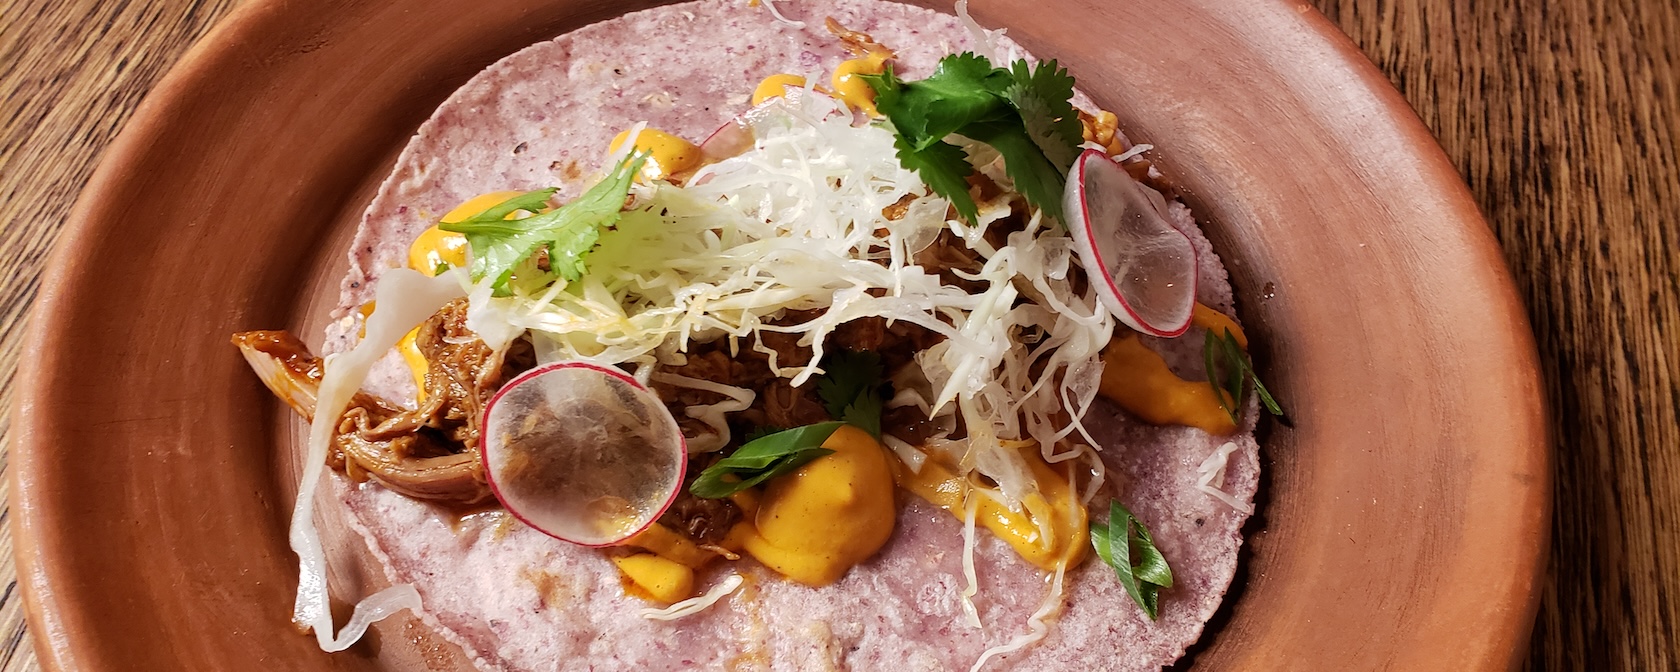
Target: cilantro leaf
{"x":1229,"y":370}
{"x":484,"y":230}
{"x":762,"y":459}
{"x":1045,"y":98}
{"x":1120,"y":540}
{"x":968,"y":69}
{"x":569,"y":232}
{"x":964,"y":88}
{"x":1024,"y":112}
{"x":889,"y":97}
{"x":944,"y":168}
{"x":851,"y":389}
{"x":1035,"y":176}
{"x":865,"y":414}
{"x":530,"y":201}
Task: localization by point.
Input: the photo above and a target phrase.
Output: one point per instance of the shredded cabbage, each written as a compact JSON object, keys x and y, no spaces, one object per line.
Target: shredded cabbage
{"x":985,"y":41}
{"x":906,"y":453}
{"x":714,"y":415}
{"x":405,"y":299}
{"x":695,"y":605}
{"x":971,"y":588}
{"x":1135,"y":151}
{"x":797,"y":223}
{"x":1038,"y":624}
{"x":771,"y":5}
{"x":1210,"y":477}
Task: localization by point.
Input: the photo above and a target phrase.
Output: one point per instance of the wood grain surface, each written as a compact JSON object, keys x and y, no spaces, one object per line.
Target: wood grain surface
{"x":1561,"y":116}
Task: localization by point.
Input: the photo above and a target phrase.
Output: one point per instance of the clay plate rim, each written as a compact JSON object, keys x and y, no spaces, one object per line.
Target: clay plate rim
{"x":1410,"y":502}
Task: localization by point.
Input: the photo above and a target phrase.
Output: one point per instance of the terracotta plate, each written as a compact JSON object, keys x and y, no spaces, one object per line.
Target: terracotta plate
{"x":1403,"y":516}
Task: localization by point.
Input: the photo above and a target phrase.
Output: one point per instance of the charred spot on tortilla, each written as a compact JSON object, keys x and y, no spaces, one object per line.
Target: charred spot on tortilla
{"x":862,"y":300}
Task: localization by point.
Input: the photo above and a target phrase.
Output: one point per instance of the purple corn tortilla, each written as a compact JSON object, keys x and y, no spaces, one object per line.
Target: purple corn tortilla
{"x":516,"y":599}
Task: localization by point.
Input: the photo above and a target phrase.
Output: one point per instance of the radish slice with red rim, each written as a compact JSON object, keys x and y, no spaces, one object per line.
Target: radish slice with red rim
{"x":582,"y":452}
{"x":737,"y":135}
{"x":730,"y":140}
{"x":1143,"y":267}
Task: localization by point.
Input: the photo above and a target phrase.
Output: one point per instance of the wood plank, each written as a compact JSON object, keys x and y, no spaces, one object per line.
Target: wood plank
{"x":71,"y":72}
{"x":1560,"y":115}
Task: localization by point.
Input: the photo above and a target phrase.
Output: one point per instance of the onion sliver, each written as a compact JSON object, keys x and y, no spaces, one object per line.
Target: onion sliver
{"x":582,"y":453}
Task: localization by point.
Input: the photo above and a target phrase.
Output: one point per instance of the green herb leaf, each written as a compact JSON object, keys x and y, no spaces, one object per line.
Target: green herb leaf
{"x":1143,"y":578}
{"x":851,"y":389}
{"x":944,"y":168}
{"x":763,"y":459}
{"x":1045,"y":98}
{"x":963,"y":89}
{"x":530,"y":201}
{"x":1035,"y":177}
{"x":761,"y":432}
{"x":1229,"y":370}
{"x":1025,"y":113}
{"x":441,"y":268}
{"x":1213,"y":353}
{"x":569,"y":232}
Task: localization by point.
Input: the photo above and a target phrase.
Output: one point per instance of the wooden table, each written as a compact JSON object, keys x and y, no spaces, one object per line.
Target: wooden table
{"x":1561,"y":115}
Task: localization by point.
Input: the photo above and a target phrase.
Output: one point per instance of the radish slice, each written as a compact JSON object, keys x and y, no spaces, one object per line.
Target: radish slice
{"x":730,"y":140}
{"x":737,"y":135}
{"x":1143,"y":267}
{"x":582,"y":453}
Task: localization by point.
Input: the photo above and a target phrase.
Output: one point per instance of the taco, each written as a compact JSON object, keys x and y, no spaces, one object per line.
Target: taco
{"x":845,"y":214}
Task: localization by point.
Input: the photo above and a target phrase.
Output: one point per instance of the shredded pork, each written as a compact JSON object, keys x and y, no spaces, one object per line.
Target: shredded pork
{"x":428,"y":452}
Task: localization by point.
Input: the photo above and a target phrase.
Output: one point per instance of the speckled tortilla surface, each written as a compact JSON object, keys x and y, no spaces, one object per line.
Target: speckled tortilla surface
{"x":516,"y":599}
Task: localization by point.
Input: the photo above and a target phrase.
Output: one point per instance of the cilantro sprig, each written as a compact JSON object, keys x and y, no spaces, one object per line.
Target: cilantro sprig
{"x":1124,"y":544}
{"x":569,"y":232}
{"x":1024,"y":112}
{"x":852,"y":389}
{"x":1229,"y":371}
{"x":762,"y":459}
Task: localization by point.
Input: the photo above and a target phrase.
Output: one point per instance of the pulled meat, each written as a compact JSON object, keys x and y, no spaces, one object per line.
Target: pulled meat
{"x":778,"y":403}
{"x":787,"y":406}
{"x":897,"y":342}
{"x":429,"y":452}
{"x":462,"y":372}
{"x":909,"y":424}
{"x":706,"y":521}
{"x":948,"y":254}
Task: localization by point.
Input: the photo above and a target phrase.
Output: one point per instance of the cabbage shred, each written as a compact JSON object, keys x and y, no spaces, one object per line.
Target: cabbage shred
{"x":797,"y":223}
